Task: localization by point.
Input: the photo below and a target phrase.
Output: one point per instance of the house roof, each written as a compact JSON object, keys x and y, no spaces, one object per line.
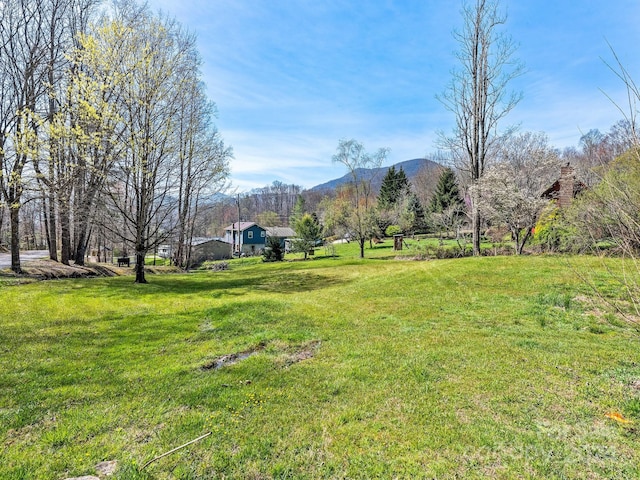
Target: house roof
{"x":553,"y":192}
{"x":243,"y":226}
{"x":202,"y":240}
{"x":280,"y":232}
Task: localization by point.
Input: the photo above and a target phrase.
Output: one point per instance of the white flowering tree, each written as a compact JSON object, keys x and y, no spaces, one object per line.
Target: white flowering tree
{"x":510,"y":191}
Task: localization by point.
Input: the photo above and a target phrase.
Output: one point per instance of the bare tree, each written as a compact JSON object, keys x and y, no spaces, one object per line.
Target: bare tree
{"x":277,"y":197}
{"x":358,"y":218}
{"x":22,"y":74}
{"x":203,"y":163}
{"x":425,"y":181}
{"x":94,"y":124}
{"x":89,"y":115}
{"x":168,"y":152}
{"x":452,"y":219}
{"x":152,"y":56}
{"x":478,"y":95}
{"x":35,"y":37}
{"x":3,"y":214}
{"x":598,"y":149}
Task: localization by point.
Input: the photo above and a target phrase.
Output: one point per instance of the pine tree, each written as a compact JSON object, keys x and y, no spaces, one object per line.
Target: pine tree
{"x":395,"y":185}
{"x":417,"y":213}
{"x":447,"y":193}
{"x":308,"y":232}
{"x":402,"y":184}
{"x":298,"y":211}
{"x":385,"y":197}
{"x":272,"y":251}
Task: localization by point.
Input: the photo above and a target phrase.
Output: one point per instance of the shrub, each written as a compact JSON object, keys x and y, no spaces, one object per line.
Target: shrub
{"x":423,"y":252}
{"x":219,"y":266}
{"x":552,"y":232}
{"x":272,"y":251}
{"x":392,"y":230}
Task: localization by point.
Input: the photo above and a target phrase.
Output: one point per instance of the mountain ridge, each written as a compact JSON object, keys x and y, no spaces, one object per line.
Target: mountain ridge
{"x":411,"y":169}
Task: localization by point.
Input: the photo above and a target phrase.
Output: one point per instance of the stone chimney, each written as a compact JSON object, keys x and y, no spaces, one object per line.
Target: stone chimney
{"x":567,"y":183}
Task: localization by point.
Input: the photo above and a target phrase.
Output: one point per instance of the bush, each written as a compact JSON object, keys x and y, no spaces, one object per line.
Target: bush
{"x":392,"y":230}
{"x":272,"y":251}
{"x":219,"y":266}
{"x":552,"y":232}
{"x":440,"y":252}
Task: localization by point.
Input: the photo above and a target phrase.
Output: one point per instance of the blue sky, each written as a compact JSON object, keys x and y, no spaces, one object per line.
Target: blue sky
{"x":292,"y":77}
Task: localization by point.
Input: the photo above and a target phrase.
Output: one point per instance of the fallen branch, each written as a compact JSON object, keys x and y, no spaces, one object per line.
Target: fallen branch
{"x":175,"y":450}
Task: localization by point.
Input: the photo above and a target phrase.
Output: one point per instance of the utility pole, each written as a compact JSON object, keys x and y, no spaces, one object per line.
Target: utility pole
{"x":239,"y":243}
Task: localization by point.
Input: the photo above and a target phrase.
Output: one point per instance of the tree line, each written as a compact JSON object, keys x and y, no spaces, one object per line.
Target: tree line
{"x":520,"y":167}
{"x":502,"y":172}
{"x":107,"y":137}
{"x":108,"y":143}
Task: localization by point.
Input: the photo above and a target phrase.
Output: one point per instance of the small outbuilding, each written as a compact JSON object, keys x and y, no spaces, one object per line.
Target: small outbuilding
{"x":209,"y":248}
{"x":283,"y":234}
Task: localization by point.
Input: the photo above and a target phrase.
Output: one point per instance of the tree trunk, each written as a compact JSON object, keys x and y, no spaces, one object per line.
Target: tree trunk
{"x":140,"y":254}
{"x":520,"y":242}
{"x":362,"y":248}
{"x":53,"y":228}
{"x":65,"y":231}
{"x":82,"y":240}
{"x":81,"y":246}
{"x":475,"y":225}
{"x":14,"y":214}
{"x":1,"y":223}
{"x":81,"y":250}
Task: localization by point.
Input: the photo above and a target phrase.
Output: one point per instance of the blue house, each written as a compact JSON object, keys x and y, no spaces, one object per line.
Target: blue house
{"x":251,"y":240}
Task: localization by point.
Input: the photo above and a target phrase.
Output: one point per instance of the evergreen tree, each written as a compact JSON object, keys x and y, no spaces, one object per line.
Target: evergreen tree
{"x":298,"y":211}
{"x":308,"y":232}
{"x":416,"y":213}
{"x":447,"y":193}
{"x":395,"y":185}
{"x":385,"y":197}
{"x":272,"y":251}
{"x":402,"y":183}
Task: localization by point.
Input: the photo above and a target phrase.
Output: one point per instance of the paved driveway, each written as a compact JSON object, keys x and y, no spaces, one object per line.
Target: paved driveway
{"x":25,"y":256}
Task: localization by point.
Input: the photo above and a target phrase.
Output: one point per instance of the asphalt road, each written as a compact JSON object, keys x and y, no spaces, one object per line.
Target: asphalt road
{"x":25,"y":256}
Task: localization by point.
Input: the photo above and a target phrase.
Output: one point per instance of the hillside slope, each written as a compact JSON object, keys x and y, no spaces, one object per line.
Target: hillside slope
{"x":411,"y":169}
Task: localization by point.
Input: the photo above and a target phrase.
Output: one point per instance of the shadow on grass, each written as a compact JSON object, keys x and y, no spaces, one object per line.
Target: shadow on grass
{"x":127,"y":356}
{"x":216,"y":285}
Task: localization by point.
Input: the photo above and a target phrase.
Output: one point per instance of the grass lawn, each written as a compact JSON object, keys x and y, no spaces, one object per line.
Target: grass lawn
{"x":491,"y":367}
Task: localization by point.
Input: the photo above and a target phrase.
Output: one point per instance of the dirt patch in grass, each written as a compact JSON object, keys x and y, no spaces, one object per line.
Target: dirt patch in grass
{"x":46,"y":269}
{"x":231,"y":359}
{"x":299,"y":353}
{"x":616,"y":312}
{"x":288,"y":356}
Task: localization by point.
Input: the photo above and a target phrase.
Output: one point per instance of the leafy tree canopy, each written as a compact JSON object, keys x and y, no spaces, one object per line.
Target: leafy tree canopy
{"x":268,"y":219}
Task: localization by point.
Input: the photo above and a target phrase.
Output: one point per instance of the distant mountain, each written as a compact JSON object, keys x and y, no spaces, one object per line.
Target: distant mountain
{"x":217,"y":197}
{"x":411,"y":169}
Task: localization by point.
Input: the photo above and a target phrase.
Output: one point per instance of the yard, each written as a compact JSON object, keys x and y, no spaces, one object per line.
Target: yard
{"x":498,"y":367}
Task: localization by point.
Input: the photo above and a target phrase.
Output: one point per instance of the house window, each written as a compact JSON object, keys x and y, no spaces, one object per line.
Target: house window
{"x":262,"y":234}
{"x":249,"y":234}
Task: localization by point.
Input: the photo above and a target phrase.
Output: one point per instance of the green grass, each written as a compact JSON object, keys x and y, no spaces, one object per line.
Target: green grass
{"x":412,"y":247}
{"x":469,"y":368}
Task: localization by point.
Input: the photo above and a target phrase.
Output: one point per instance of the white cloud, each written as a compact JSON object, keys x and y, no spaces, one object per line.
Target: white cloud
{"x":292,"y":78}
